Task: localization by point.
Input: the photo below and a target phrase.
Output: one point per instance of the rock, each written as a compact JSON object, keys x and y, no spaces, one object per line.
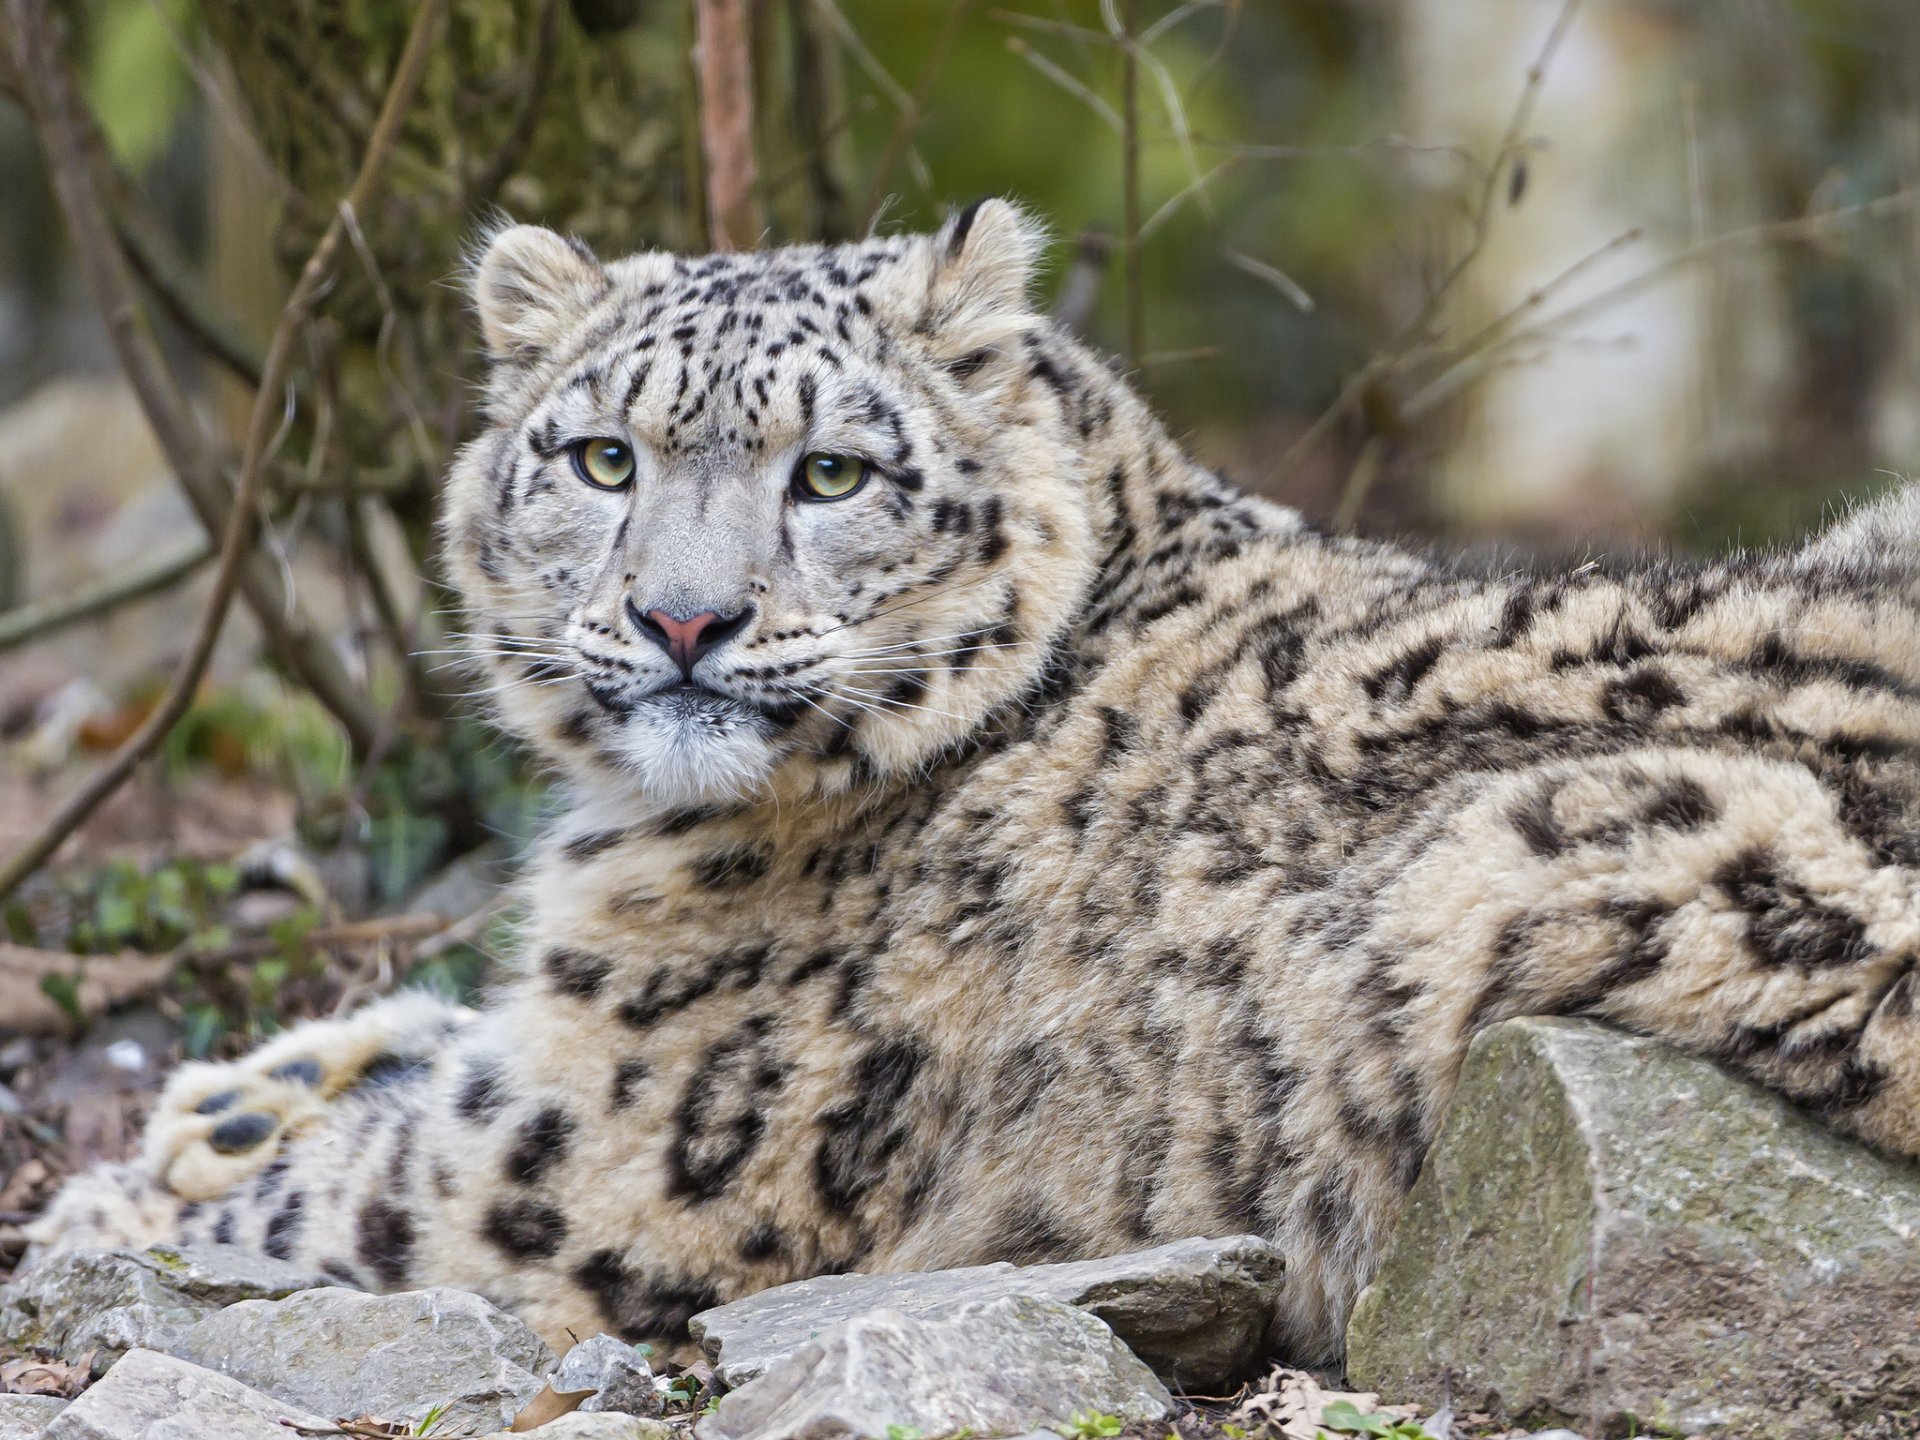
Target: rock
{"x":615,"y":1369}
{"x":1612,"y":1234}
{"x":343,"y":1354}
{"x":110,"y":1301}
{"x":603,"y":1425}
{"x":156,"y":1397}
{"x":26,"y":1417}
{"x":1200,"y":1312}
{"x":996,"y":1367}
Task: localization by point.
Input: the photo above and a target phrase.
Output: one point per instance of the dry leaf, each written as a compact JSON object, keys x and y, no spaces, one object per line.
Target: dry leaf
{"x":97,"y":983}
{"x":45,"y":1377}
{"x":549,"y":1404}
{"x":1289,"y":1403}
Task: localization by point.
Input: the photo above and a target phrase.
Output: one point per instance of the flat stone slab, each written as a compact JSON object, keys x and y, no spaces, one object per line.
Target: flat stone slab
{"x":112,"y":1301}
{"x":148,"y":1396}
{"x":995,"y":1367}
{"x":342,"y":1353}
{"x":1609,"y":1234}
{"x":26,"y":1417}
{"x":1199,"y":1312}
{"x":598,"y":1425}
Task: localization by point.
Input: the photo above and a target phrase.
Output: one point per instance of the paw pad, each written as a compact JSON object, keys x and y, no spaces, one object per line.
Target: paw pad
{"x":242,"y":1132}
{"x":393,"y":1070}
{"x":298,"y":1072}
{"x":217,"y":1102}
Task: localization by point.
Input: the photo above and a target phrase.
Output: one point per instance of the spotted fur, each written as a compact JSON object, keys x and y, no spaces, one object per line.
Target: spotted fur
{"x":1069,"y":853}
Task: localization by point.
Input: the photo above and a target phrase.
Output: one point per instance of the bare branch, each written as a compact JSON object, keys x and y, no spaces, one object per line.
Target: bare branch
{"x":726,"y":122}
{"x":38,"y":61}
{"x":60,"y":120}
{"x":31,"y":622}
{"x":900,"y":140}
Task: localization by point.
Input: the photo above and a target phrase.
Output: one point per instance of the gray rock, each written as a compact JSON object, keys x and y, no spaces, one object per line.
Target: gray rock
{"x":156,"y":1397}
{"x":1200,"y":1312}
{"x":110,"y":1301}
{"x":616,"y":1370}
{"x":343,"y":1354}
{"x":603,"y":1425}
{"x":26,"y":1417}
{"x":1608,"y":1233}
{"x":996,"y":1367}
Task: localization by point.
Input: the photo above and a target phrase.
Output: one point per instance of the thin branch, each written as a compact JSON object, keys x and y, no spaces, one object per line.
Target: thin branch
{"x":60,"y":120}
{"x":900,"y":140}
{"x":31,"y":622}
{"x":1133,"y":280}
{"x":1074,"y":87}
{"x":512,"y":149}
{"x":726,"y":121}
{"x":39,"y":58}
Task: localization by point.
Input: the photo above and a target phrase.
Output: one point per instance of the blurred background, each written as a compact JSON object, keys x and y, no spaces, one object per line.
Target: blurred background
{"x":1541,"y":277}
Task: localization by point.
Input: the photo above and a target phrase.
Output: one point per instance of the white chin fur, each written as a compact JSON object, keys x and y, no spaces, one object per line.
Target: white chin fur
{"x":683,"y":757}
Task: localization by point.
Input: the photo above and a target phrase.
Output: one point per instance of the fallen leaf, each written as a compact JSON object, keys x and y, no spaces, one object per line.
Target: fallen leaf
{"x":1289,"y":1403}
{"x":549,"y":1404}
{"x":45,"y":1377}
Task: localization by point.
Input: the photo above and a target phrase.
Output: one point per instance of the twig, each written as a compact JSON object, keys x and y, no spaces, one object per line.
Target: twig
{"x":507,"y":155}
{"x":36,"y":43}
{"x":1074,"y":87}
{"x":60,"y":120}
{"x":908,"y":122}
{"x":726,"y":121}
{"x":1415,"y":331}
{"x":31,"y":622}
{"x":419,"y":925}
{"x":1132,"y":278}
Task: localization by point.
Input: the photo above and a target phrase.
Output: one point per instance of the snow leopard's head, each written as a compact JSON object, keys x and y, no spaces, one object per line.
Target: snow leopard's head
{"x":807,"y":514}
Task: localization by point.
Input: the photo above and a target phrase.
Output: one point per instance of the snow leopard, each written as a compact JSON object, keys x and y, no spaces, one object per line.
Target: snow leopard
{"x":991,"y":835}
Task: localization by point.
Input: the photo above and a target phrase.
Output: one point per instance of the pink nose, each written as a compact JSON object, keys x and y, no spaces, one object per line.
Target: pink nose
{"x":687,"y":638}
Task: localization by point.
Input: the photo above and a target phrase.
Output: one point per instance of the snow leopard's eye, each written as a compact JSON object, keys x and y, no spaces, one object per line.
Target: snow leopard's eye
{"x":604,"y":463}
{"x":828,"y":477}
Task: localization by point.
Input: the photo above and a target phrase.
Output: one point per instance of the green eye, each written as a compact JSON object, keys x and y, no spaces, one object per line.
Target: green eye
{"x":829,"y":477}
{"x":604,"y":464}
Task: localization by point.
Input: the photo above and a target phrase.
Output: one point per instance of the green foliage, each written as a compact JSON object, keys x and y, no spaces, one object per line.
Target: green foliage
{"x":1090,"y":1425}
{"x":430,"y":1421}
{"x":1345,"y":1418}
{"x":135,"y":77}
{"x":123,"y":906}
{"x":276,"y":734}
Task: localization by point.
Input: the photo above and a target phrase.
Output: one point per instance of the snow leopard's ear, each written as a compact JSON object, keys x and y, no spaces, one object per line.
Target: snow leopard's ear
{"x":530,"y":286}
{"x":978,"y":278}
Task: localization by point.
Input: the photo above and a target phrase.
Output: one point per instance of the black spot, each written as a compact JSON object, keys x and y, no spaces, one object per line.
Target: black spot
{"x":283,"y":1230}
{"x":542,"y":1143}
{"x":594,"y":842}
{"x":1031,"y":1232}
{"x":669,"y":989}
{"x":298,"y":1072}
{"x":1682,"y":804}
{"x":575,"y":972}
{"x":223,"y":1228}
{"x":242,"y":1132}
{"x":763,"y":1242}
{"x":722,"y":1113}
{"x":1639,"y":695}
{"x":1786,"y":924}
{"x":860,"y":1135}
{"x":482,"y":1091}
{"x":628,"y":1075}
{"x":385,"y":1070}
{"x":526,"y":1229}
{"x":640,"y":1306}
{"x":217,"y":1102}
{"x":383,"y":1240}
{"x":729,"y":869}
{"x":1398,"y":679}
{"x":963,"y":226}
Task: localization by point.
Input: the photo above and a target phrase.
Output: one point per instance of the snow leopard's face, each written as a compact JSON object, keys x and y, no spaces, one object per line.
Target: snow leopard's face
{"x":794,"y":512}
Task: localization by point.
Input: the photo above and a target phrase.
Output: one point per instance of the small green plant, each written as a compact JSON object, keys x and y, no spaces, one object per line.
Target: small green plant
{"x":1346,"y":1418}
{"x":431,"y":1420}
{"x":683,"y":1390}
{"x":1090,"y":1425}
{"x":904,"y":1432}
